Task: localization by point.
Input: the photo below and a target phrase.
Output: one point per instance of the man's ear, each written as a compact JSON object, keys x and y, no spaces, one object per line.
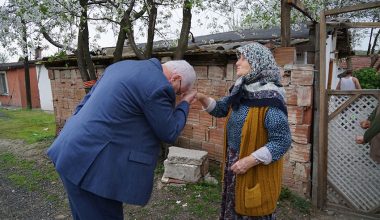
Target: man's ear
{"x":176,"y":76}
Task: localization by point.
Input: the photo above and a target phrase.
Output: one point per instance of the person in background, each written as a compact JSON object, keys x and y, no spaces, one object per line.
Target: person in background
{"x":108,"y":149}
{"x":372,"y":134}
{"x":348,"y":82}
{"x":257,"y":135}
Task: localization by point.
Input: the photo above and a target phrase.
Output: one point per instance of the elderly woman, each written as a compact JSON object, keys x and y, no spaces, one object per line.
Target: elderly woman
{"x":257,"y":136}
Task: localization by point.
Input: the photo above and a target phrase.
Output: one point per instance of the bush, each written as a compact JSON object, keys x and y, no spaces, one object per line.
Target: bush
{"x":368,"y":78}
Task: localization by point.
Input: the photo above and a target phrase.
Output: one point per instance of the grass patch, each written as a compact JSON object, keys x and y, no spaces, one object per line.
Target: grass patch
{"x":28,"y":125}
{"x":26,"y":174}
{"x":296,"y":201}
{"x":201,"y":199}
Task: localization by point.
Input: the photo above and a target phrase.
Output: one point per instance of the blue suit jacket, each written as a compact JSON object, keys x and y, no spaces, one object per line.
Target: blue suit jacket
{"x":111,"y":143}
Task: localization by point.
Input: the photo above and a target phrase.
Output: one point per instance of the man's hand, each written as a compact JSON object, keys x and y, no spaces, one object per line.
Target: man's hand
{"x":365,"y":124}
{"x":359,"y":139}
{"x":241,"y":166}
{"x":189,"y":96}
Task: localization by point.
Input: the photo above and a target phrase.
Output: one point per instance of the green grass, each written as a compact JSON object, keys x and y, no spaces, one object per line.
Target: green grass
{"x":26,"y":174}
{"x":201,"y":198}
{"x":29,"y":125}
{"x":296,"y":201}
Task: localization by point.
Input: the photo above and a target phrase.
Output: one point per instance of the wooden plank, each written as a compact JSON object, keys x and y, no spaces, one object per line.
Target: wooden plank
{"x":357,"y":7}
{"x":331,"y":65}
{"x":355,"y":24}
{"x":343,"y":106}
{"x":354,"y":92}
{"x":353,"y":212}
{"x":322,"y":148}
{"x":314,"y":181}
{"x":285,"y":23}
{"x":297,"y":4}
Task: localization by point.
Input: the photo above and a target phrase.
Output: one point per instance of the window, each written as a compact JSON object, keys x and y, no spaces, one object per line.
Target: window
{"x":3,"y":84}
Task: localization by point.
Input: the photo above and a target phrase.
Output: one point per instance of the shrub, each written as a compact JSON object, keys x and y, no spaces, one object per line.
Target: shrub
{"x":368,"y":78}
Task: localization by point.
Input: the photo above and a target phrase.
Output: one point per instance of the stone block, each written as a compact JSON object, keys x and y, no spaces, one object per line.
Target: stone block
{"x":186,"y":172}
{"x":186,"y":156}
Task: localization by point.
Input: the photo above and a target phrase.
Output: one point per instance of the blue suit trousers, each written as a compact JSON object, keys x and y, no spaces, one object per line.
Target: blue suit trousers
{"x":88,"y":206}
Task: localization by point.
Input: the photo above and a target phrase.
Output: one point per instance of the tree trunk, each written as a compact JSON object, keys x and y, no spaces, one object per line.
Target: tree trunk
{"x":369,"y":42}
{"x":185,"y":30}
{"x":118,"y":53}
{"x":26,"y":67}
{"x":85,"y":64}
{"x":152,"y":10}
{"x":375,"y":42}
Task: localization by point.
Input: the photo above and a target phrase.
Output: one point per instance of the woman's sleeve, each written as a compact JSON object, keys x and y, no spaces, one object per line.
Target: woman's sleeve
{"x":279,"y":137}
{"x":221,"y":107}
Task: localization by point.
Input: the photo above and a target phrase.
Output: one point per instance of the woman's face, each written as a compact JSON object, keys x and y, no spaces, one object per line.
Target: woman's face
{"x":242,"y":66}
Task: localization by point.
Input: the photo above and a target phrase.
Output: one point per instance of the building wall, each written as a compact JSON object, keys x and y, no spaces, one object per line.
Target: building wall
{"x":13,"y":98}
{"x":204,"y":132}
{"x":44,"y":88}
{"x":358,"y":62}
{"x":17,"y":91}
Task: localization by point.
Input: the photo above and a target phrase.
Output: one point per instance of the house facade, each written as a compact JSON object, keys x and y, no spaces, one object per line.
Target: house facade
{"x":12,"y":85}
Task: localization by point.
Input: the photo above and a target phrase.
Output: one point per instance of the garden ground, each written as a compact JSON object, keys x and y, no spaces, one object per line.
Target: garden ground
{"x":30,"y":188}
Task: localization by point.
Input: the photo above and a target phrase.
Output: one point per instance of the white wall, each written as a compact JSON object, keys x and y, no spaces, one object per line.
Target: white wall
{"x":44,"y":88}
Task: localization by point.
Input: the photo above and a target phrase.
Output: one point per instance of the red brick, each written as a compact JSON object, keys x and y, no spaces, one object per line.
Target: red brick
{"x":216,"y":72}
{"x":204,"y":86}
{"x":187,"y":131}
{"x":199,"y":132}
{"x":285,"y":55}
{"x":291,"y":95}
{"x":302,"y":77}
{"x":183,"y":142}
{"x":295,"y":114}
{"x":230,"y":72}
{"x":300,"y":152}
{"x":304,"y":95}
{"x":201,"y":72}
{"x":220,"y":122}
{"x":195,"y":144}
{"x":193,"y":117}
{"x":308,"y":116}
{"x":205,"y":118}
{"x":216,"y":135}
{"x":300,"y":133}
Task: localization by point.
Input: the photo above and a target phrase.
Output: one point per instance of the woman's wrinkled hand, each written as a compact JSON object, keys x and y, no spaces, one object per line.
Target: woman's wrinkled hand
{"x":243,"y":165}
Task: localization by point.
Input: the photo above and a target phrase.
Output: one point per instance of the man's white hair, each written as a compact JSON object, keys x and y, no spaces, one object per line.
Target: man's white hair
{"x":184,"y":69}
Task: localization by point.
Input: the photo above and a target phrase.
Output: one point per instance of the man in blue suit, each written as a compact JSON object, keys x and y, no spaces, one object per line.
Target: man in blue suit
{"x":108,"y":149}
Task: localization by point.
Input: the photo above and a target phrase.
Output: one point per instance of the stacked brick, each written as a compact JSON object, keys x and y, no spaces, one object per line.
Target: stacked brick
{"x":68,"y":91}
{"x":298,"y":83}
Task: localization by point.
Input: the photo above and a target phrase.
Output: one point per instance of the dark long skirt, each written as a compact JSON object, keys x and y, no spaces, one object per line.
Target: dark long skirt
{"x":228,"y":196}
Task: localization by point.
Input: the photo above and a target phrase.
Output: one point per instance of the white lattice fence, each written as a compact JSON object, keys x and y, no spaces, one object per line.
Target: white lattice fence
{"x":353,"y":177}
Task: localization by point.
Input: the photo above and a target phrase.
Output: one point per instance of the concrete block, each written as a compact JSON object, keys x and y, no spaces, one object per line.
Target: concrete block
{"x":186,"y":172}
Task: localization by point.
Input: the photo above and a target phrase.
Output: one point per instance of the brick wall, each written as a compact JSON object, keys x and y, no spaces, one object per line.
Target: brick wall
{"x":359,"y":62}
{"x":205,"y":132}
{"x":68,"y":91}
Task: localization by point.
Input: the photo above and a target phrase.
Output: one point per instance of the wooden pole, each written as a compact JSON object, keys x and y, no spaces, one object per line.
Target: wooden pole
{"x":322,"y":148}
{"x":314,"y":191}
{"x":285,"y":23}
